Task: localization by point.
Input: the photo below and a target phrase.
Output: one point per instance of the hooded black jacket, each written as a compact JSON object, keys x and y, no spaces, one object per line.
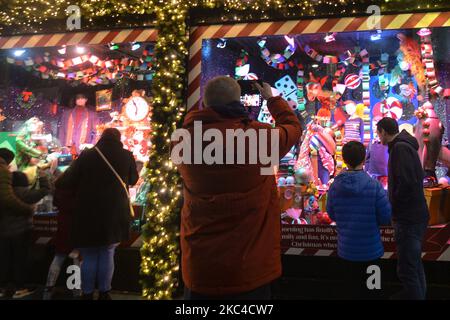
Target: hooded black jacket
{"x":406,"y":181}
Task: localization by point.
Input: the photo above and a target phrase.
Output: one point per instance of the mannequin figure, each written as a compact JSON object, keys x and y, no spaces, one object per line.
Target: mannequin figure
{"x":77,"y":125}
{"x":354,"y":126}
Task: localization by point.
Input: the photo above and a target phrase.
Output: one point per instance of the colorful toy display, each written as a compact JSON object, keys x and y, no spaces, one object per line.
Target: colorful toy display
{"x":429,"y":129}
{"x":429,"y":133}
{"x":35,"y":149}
{"x":352,"y":81}
{"x":134,"y":124}
{"x":391,"y":107}
{"x":340,"y":90}
{"x":88,"y":68}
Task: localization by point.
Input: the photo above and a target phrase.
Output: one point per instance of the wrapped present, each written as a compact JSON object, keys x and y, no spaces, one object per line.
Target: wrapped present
{"x":438,"y":200}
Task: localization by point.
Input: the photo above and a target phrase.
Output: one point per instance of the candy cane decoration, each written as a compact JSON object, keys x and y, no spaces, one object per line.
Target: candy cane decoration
{"x":327,"y":160}
{"x":304,"y":160}
{"x":364,"y":54}
{"x":426,"y":50}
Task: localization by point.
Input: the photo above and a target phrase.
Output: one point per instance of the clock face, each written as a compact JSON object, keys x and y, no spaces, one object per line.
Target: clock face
{"x":137,"y":109}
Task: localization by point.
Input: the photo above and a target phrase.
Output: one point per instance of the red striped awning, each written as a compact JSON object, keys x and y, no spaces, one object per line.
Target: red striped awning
{"x":74,"y":38}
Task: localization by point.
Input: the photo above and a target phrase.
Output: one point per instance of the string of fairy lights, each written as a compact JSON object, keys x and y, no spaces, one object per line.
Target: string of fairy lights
{"x":160,"y":250}
{"x":38,"y":15}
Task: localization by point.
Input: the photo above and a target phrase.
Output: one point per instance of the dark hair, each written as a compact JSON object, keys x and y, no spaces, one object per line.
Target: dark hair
{"x":80,"y":96}
{"x":19,"y":179}
{"x":111,"y":133}
{"x":6,"y":155}
{"x":353,"y":153}
{"x":389,"y":125}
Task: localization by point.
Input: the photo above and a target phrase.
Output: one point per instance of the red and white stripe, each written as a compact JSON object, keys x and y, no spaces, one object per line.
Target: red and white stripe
{"x":443,"y":255}
{"x":74,"y":38}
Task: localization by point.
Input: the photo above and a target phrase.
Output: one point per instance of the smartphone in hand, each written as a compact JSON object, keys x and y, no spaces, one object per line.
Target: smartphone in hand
{"x":251,"y":97}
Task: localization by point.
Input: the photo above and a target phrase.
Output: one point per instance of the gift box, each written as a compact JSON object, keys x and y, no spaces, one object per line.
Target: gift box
{"x":438,"y":200}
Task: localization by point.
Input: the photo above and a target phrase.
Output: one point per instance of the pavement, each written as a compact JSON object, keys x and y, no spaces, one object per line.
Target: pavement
{"x":63,"y":294}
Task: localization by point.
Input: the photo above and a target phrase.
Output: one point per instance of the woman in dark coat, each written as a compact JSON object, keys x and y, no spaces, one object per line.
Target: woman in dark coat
{"x":101,"y":211}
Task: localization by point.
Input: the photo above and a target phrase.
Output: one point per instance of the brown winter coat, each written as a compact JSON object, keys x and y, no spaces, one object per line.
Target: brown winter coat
{"x":10,"y":204}
{"x":230,"y":221}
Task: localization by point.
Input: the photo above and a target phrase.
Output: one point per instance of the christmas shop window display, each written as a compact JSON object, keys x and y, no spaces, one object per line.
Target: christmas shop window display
{"x":77,"y":126}
{"x":32,"y":122}
{"x":327,"y":112}
{"x":407,"y":93}
{"x":429,"y":131}
{"x":302,"y":202}
{"x":37,"y":150}
{"x":351,"y":73}
{"x":88,"y":68}
{"x":318,"y":149}
{"x":354,"y":125}
{"x":134,"y":122}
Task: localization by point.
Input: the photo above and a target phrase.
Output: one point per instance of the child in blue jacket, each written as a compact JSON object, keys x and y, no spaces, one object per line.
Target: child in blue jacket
{"x":359,"y":205}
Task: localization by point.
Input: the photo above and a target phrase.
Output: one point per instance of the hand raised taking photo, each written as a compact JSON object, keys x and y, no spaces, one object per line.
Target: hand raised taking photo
{"x":265,"y":90}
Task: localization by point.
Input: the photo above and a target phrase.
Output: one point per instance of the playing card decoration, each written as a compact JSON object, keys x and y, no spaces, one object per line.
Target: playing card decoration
{"x":288,"y":90}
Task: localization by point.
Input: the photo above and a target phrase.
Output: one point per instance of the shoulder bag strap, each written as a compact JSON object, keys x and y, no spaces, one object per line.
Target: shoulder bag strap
{"x":124,"y":185}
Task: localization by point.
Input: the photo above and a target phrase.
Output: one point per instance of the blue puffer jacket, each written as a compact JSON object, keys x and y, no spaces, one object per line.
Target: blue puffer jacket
{"x":359,"y":205}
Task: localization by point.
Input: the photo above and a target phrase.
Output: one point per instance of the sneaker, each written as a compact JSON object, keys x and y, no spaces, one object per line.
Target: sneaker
{"x":19,"y":294}
{"x":104,"y":296}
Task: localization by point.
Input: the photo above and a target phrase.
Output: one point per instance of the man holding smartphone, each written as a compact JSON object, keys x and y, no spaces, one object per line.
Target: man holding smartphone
{"x":230,"y":221}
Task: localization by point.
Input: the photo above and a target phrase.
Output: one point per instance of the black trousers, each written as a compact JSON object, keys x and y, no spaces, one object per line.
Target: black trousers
{"x":14,"y":253}
{"x":262,"y":293}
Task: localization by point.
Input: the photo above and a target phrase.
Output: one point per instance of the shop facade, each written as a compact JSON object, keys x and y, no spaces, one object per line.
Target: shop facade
{"x":42,"y":74}
{"x":269,"y":51}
